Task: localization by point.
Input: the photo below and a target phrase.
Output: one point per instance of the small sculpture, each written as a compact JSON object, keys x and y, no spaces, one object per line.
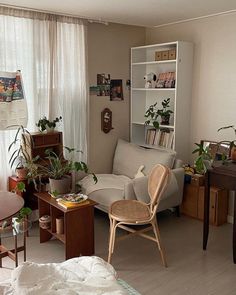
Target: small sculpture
{"x":150,"y":79}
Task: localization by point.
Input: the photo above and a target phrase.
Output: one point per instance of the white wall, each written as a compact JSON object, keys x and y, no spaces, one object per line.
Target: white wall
{"x":214,"y":74}
{"x":109,"y":52}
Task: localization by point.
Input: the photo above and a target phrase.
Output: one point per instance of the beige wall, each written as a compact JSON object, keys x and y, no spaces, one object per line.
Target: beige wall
{"x":109,"y":52}
{"x":214,"y":73}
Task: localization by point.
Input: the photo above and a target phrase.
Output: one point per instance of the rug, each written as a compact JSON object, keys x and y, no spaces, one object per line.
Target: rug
{"x":128,"y":288}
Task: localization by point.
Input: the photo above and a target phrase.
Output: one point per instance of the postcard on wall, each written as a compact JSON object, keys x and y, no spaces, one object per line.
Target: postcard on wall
{"x":13,"y":107}
{"x":116,"y":92}
{"x":103,"y":84}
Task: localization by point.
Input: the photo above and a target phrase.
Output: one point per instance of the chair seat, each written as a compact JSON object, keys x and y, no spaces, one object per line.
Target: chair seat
{"x":130,"y":210}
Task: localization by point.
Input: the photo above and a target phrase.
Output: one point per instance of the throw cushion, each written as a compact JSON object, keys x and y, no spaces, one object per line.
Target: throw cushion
{"x":139,"y":172}
{"x":140,"y":186}
{"x":129,"y":157}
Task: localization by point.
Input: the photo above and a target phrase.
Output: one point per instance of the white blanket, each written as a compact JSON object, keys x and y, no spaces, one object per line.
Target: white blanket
{"x":105,"y":181}
{"x":84,"y":276}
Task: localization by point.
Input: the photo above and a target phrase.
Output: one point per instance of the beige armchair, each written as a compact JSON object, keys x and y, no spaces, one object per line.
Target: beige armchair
{"x":121,"y":184}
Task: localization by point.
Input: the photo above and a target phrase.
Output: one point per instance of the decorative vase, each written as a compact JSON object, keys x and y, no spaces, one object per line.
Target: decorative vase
{"x":61,"y":186}
{"x":50,"y":129}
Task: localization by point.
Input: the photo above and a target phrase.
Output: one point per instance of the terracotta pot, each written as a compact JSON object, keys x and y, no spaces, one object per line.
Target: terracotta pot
{"x":21,"y":172}
{"x":233,"y":154}
{"x":61,"y":186}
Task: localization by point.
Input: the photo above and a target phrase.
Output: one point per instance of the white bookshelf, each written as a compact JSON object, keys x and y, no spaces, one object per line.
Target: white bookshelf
{"x":143,"y":62}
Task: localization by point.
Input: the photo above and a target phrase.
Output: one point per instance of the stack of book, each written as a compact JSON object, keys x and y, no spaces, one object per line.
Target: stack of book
{"x":160,"y":137}
{"x":166,"y":80}
{"x":69,"y":205}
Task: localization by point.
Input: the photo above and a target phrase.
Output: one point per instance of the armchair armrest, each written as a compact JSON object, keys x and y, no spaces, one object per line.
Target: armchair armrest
{"x":129,"y":193}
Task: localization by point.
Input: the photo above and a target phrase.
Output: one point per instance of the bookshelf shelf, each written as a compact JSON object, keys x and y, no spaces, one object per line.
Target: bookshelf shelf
{"x":143,"y":62}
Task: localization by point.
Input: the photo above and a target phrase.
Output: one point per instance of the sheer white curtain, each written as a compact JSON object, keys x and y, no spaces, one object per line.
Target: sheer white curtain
{"x":50,"y":51}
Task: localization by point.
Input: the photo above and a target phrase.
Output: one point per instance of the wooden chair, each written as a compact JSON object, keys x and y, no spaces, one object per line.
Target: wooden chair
{"x":133,"y":212}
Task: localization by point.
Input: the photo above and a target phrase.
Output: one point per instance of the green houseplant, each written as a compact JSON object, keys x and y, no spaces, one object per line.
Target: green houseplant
{"x":204,"y":159}
{"x":231,"y":143}
{"x":153,"y":113}
{"x":18,"y":150}
{"x":59,"y":170}
{"x":44,"y":124}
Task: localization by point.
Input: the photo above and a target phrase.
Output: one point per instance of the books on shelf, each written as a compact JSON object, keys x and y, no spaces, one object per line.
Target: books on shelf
{"x":166,"y":80}
{"x":160,"y":137}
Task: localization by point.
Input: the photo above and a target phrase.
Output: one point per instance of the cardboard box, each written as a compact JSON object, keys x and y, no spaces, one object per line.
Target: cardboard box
{"x":165,"y":55}
{"x":172,"y":54}
{"x":158,"y":56}
{"x":198,"y":179}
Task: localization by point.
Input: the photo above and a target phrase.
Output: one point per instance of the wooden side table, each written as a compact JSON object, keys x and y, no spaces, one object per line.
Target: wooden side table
{"x":78,"y":234}
{"x":223,"y":176}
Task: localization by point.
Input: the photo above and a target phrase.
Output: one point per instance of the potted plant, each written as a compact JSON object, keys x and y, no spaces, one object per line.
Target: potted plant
{"x":153,"y":113}
{"x":44,"y":124}
{"x":59,"y":171}
{"x":18,"y":149}
{"x":231,"y":143}
{"x":20,"y":222}
{"x":204,"y":159}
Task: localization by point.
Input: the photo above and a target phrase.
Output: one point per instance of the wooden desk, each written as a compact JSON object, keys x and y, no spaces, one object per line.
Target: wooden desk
{"x":10,"y":204}
{"x":78,"y":234}
{"x":224,"y":176}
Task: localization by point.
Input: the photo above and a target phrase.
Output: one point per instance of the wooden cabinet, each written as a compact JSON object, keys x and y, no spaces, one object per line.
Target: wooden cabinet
{"x":37,"y":143}
{"x":143,"y":62}
{"x":78,"y":235}
{"x":193,"y":203}
{"x":28,"y":196}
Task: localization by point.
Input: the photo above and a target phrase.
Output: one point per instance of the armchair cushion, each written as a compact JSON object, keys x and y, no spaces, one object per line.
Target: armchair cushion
{"x":141,"y":188}
{"x":129,"y":157}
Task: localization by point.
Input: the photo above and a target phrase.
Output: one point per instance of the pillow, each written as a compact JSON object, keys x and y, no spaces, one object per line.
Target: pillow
{"x":129,"y":157}
{"x":139,"y":172}
{"x":140,"y":186}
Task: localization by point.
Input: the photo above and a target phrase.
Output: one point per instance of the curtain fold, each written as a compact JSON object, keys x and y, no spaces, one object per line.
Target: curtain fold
{"x":51,"y":53}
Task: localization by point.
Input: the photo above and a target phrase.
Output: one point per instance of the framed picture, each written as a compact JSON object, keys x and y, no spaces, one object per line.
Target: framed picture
{"x":116,"y":92}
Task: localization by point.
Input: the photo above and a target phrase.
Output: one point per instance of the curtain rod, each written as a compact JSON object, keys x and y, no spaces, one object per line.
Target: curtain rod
{"x":90,"y":20}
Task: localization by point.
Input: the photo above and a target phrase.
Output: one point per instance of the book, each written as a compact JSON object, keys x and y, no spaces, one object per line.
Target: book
{"x":69,"y":206}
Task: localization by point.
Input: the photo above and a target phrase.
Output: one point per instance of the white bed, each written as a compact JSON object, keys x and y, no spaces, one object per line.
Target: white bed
{"x":86,"y":275}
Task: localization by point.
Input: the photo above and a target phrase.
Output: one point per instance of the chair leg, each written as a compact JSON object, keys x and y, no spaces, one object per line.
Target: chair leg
{"x":158,"y":239}
{"x":111,"y":239}
{"x":16,"y":252}
{"x":0,"y":253}
{"x":25,"y":235}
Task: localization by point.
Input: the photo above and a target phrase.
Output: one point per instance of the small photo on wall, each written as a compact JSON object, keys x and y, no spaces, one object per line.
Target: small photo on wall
{"x":116,"y":92}
{"x":103,"y":79}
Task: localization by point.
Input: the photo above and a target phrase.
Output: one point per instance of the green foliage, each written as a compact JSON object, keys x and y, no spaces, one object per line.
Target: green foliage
{"x":17,"y":148}
{"x":58,"y":167}
{"x":153,"y":113}
{"x":44,"y":122}
{"x":20,"y":186}
{"x":204,"y":156}
{"x":24,"y":212}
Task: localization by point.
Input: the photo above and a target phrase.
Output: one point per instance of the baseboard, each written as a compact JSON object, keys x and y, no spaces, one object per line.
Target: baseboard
{"x":230,"y":219}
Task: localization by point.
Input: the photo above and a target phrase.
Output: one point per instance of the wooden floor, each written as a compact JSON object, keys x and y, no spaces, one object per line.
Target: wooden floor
{"x":137,"y":261}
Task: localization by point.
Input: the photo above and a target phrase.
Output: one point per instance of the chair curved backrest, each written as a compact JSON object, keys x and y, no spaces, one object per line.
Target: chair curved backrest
{"x":157,"y":183}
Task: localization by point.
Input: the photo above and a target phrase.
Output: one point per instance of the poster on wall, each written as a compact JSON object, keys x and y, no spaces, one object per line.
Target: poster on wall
{"x":116,"y":92}
{"x":103,"y":84}
{"x":13,"y":107}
